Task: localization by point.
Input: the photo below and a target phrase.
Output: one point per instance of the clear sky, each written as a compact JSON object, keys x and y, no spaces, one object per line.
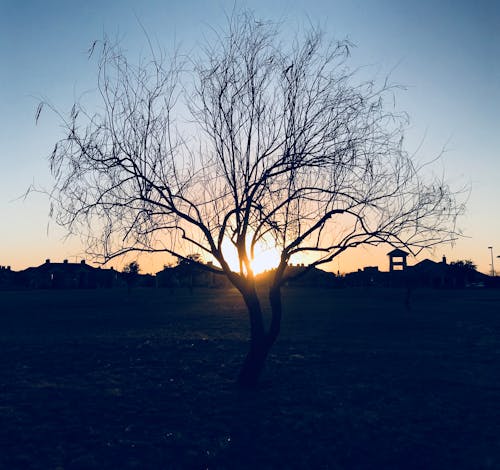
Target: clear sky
{"x":446,"y":52}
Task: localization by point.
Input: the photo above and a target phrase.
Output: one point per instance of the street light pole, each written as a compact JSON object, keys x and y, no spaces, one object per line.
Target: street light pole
{"x":492,"y":262}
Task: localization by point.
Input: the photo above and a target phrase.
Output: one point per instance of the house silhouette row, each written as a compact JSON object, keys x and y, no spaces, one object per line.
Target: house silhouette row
{"x":426,"y":273}
{"x":67,"y":275}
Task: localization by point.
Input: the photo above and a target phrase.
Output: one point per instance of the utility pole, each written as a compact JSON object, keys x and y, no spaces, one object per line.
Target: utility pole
{"x":492,"y":262}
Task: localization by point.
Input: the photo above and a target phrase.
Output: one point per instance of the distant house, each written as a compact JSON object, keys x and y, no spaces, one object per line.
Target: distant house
{"x":7,"y":277}
{"x":368,"y":276}
{"x":67,"y":275}
{"x":432,"y":274}
{"x":426,"y":273}
{"x":191,"y":275}
{"x":300,"y":275}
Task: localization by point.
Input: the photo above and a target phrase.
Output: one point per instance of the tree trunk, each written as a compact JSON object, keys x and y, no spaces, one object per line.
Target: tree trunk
{"x":260,"y":340}
{"x":252,"y":367}
{"x":275,"y":302}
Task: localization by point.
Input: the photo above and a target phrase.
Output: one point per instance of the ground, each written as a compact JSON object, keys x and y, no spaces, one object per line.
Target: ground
{"x":109,"y":379}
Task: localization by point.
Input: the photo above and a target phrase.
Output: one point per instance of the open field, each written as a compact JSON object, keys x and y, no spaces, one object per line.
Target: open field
{"x":107,"y":379}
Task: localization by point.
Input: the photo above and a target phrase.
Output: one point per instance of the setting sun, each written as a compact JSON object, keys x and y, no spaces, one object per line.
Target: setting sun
{"x":265,"y":257}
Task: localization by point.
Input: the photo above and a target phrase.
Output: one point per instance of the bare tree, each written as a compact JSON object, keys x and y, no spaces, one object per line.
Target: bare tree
{"x":131,"y":274}
{"x":253,"y":142}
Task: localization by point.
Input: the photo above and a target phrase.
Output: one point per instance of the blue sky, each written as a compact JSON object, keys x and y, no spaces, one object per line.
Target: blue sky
{"x":446,"y":53}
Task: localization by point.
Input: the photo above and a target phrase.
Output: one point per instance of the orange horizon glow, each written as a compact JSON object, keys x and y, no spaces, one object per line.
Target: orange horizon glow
{"x":266,"y":257}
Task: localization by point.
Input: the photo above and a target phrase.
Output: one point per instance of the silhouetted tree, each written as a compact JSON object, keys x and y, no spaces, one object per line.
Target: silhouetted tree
{"x":131,"y":272}
{"x":193,"y":259}
{"x":464,"y":271}
{"x":188,"y":267}
{"x":281,"y":145}
{"x":466,"y":265}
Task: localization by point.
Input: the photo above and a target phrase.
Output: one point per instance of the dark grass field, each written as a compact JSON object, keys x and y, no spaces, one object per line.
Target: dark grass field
{"x":106,"y":379}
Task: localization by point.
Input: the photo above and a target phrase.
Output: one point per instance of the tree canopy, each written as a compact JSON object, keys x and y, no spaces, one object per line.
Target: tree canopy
{"x":254,"y":140}
{"x":281,"y":145}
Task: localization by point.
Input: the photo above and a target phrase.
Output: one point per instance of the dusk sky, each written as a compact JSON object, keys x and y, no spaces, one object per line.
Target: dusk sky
{"x":446,"y":53}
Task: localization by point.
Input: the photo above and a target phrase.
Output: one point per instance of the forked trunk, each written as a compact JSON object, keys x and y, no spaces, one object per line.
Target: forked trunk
{"x":260,"y":340}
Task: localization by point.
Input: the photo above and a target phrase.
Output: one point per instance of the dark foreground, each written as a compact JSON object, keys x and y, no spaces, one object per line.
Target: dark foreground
{"x":104,"y":379}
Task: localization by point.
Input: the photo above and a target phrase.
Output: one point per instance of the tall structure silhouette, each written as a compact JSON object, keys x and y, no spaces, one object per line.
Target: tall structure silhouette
{"x":397,"y":260}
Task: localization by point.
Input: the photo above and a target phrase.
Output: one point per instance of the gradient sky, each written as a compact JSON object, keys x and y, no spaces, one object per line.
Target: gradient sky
{"x":447,"y":54}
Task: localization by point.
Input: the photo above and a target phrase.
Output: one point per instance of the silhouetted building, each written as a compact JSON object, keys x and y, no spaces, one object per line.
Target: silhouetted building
{"x":191,"y":274}
{"x":300,"y":275}
{"x":8,"y":277}
{"x":397,"y":260}
{"x":67,"y":275}
{"x":426,"y":273}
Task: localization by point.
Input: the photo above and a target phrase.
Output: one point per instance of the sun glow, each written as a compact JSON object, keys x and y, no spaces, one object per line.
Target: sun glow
{"x":265,"y":257}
